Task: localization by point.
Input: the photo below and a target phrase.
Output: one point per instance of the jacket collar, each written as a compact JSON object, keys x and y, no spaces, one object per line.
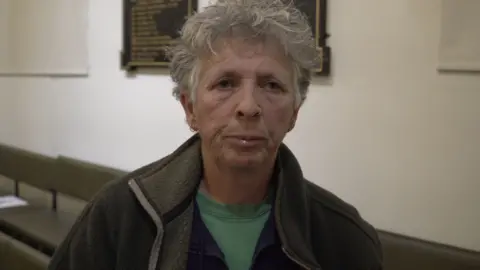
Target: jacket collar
{"x":175,"y":180}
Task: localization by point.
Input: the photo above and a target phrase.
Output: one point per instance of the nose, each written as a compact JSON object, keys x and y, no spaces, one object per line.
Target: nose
{"x":248,"y":106}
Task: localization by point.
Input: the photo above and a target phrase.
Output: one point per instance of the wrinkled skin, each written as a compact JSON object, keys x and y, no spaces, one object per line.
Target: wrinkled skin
{"x":244,"y":104}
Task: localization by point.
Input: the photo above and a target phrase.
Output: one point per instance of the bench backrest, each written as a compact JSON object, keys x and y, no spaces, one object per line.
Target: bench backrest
{"x":401,"y":252}
{"x":74,"y":178}
{"x":24,"y":166}
{"x":81,"y":179}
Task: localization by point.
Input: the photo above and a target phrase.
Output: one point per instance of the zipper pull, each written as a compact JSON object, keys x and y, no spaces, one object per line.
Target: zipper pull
{"x":295,"y":260}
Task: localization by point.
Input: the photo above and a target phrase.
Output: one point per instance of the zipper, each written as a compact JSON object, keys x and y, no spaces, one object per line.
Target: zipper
{"x":294,"y":259}
{"x":157,"y":243}
{"x":281,"y":234}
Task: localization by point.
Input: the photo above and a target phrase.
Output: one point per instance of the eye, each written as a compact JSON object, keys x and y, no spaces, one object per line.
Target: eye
{"x":273,"y":86}
{"x":225,"y":84}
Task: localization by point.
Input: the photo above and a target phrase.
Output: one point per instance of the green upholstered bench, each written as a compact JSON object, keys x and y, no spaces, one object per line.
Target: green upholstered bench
{"x":7,"y":185}
{"x":407,"y":253}
{"x":41,"y":227}
{"x":27,"y":167}
{"x":27,"y":222}
{"x":80,"y":179}
{"x":15,"y":255}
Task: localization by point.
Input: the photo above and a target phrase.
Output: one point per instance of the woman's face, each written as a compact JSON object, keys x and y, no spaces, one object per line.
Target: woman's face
{"x":244,"y":103}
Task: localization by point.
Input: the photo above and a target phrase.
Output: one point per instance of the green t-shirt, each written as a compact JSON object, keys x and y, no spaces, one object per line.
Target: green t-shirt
{"x":235,"y":228}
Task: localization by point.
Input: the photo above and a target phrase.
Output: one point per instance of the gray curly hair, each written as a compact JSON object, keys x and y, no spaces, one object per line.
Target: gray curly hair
{"x":262,"y":19}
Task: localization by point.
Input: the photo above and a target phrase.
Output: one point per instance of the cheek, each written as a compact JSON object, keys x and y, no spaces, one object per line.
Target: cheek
{"x":211,"y":119}
{"x":279,"y":119}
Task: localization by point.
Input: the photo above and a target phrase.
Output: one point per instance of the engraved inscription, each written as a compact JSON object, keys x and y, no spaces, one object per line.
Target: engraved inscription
{"x":151,"y":25}
{"x":153,"y":28}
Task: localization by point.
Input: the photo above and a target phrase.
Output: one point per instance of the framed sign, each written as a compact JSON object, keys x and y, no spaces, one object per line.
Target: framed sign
{"x":316,"y":11}
{"x":149,"y":26}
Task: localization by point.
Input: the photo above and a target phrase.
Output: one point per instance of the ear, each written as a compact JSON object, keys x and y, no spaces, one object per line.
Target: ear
{"x":187,"y":105}
{"x":293,"y":121}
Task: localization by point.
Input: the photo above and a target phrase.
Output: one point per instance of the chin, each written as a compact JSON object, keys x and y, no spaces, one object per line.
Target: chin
{"x":245,"y":161}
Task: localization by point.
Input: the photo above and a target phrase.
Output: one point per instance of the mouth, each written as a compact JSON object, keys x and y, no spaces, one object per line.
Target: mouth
{"x":246,"y":140}
{"x":247,"y":137}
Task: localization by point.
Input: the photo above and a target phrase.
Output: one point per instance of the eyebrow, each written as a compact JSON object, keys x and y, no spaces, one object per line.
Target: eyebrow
{"x":221,"y":69}
{"x":277,"y":77}
{"x":233,"y":72}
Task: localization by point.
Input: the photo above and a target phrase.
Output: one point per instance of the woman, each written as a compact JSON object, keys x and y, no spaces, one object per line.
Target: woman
{"x":232,"y":196}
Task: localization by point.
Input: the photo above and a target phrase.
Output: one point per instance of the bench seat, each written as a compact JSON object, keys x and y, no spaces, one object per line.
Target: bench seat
{"x":43,"y":228}
{"x":15,"y":255}
{"x":39,"y":226}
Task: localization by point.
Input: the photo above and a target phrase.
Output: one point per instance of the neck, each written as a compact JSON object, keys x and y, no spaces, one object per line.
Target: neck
{"x":234,"y":186}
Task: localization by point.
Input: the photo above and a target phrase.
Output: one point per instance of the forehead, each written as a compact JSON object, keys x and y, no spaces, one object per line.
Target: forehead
{"x":249,"y":58}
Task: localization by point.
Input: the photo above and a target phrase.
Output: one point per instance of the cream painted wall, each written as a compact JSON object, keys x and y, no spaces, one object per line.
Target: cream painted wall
{"x":4,"y":26}
{"x":44,"y":37}
{"x":386,"y":133}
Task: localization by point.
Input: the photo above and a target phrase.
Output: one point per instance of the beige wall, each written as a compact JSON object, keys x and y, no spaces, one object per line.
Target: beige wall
{"x":386,"y":133}
{"x":43,"y":37}
{"x":4,"y":30}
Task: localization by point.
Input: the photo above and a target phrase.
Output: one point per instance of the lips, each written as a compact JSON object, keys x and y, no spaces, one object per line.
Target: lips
{"x":247,"y":141}
{"x":247,"y":137}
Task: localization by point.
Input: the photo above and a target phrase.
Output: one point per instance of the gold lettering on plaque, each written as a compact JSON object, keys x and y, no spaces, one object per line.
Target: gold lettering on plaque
{"x":147,"y":42}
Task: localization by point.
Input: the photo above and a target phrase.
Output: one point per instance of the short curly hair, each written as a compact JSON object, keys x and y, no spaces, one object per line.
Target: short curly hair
{"x":260,"y":18}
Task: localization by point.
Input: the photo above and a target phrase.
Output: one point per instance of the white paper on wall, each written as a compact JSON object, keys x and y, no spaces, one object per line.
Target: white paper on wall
{"x":460,"y":35}
{"x":44,"y":37}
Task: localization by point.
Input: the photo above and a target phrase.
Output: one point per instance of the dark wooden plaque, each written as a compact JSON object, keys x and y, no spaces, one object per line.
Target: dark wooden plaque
{"x":151,"y":25}
{"x":316,"y":11}
{"x":148,"y":27}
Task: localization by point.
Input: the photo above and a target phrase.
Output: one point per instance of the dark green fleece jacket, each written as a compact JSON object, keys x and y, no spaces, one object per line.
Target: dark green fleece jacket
{"x":143,"y":222}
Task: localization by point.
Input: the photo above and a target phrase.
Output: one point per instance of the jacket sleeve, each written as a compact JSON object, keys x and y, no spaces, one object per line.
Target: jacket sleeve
{"x":88,"y":245}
